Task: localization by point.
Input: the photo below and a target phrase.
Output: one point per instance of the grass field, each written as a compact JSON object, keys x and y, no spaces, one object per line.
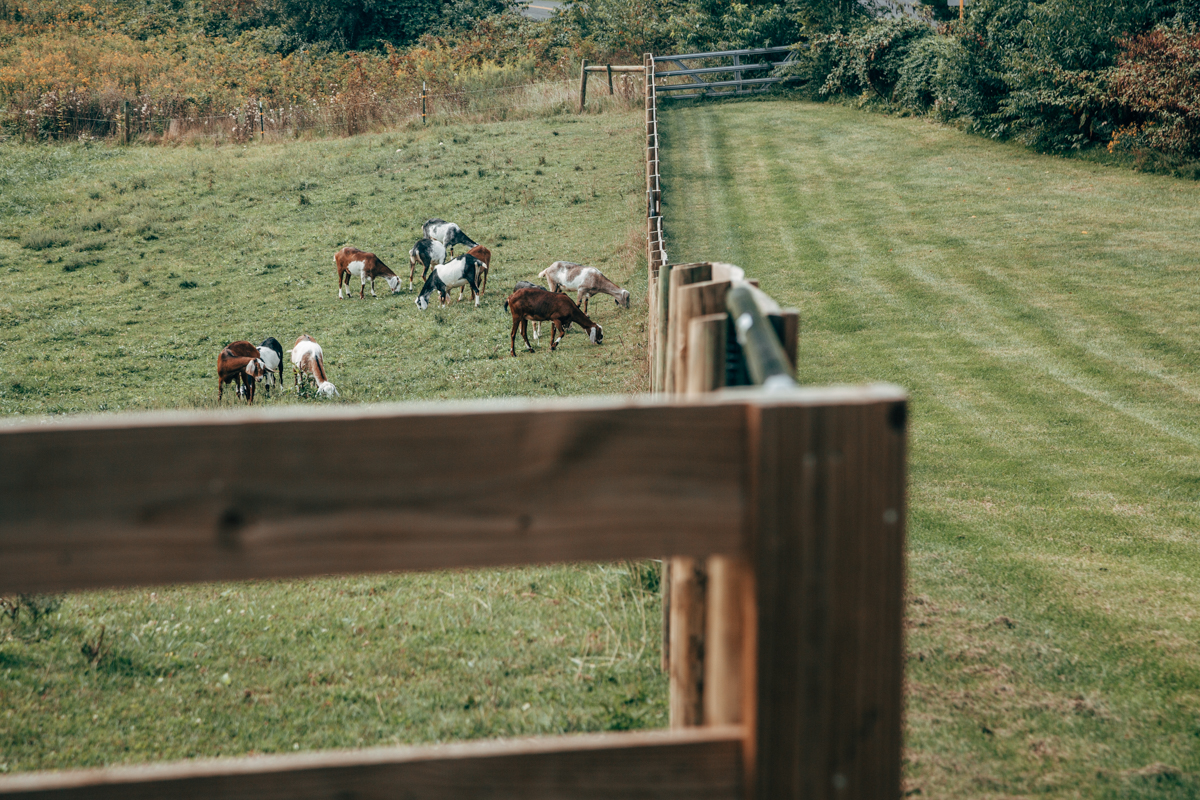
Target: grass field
{"x":123,"y":272}
{"x":1043,"y":314}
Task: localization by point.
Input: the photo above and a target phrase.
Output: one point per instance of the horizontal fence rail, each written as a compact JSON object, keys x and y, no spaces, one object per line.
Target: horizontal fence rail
{"x":738,"y":85}
{"x":703,"y":764}
{"x":204,"y":497}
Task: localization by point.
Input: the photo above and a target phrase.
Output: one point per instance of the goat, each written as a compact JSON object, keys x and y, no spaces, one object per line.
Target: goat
{"x":485,"y":258}
{"x":535,"y":304}
{"x":461,"y":271}
{"x":537,"y":325}
{"x":352,"y":261}
{"x":587,"y":281}
{"x":308,"y":359}
{"x":447,"y":233}
{"x":428,"y":254}
{"x":239,"y":363}
{"x":271,"y":353}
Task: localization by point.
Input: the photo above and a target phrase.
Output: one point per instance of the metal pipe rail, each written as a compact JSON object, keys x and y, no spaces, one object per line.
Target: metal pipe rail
{"x":713,"y":84}
{"x":751,"y":52}
{"x":765,"y":357}
{"x":670,"y":73}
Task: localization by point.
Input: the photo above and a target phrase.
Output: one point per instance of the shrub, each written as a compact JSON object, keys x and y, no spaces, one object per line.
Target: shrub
{"x":1156,"y":84}
{"x":927,"y":78}
{"x":869,"y":58}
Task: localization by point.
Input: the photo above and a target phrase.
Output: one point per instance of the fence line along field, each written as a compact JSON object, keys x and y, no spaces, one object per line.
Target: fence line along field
{"x":1042,"y":312}
{"x":125,"y":271}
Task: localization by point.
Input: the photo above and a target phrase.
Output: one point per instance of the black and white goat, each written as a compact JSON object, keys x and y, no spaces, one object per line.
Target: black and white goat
{"x":448,"y":233}
{"x":459,"y":272}
{"x":271,"y":354}
{"x":428,"y":253}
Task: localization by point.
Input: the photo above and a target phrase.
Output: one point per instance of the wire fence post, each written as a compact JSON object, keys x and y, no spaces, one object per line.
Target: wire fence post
{"x":262,"y":127}
{"x":125,"y":113}
{"x":423,"y":95}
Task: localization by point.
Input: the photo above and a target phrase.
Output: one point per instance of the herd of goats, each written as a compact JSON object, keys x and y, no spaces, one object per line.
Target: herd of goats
{"x":244,"y":364}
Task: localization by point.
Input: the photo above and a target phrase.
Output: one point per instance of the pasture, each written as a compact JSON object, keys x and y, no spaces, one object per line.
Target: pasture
{"x":123,"y":271}
{"x":1043,"y":315}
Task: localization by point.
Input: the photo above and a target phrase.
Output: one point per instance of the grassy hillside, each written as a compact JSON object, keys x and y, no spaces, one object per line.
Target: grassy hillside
{"x":123,"y":272}
{"x":1043,"y":314}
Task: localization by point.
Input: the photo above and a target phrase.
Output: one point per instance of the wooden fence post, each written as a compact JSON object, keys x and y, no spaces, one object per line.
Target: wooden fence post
{"x":827,"y":520}
{"x":706,"y":352}
{"x":582,"y":85}
{"x":682,"y":275}
{"x":423,"y":96}
{"x":610,"y":83}
{"x":262,"y":125}
{"x":125,"y":112}
{"x":689,"y":584}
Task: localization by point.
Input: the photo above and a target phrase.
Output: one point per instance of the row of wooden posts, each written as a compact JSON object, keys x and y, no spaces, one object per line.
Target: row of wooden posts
{"x":691,"y":351}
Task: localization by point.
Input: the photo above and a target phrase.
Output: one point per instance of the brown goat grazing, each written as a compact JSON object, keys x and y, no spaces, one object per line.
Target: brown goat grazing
{"x":239,"y":363}
{"x":352,"y":261}
{"x":538,"y":305}
{"x":481,"y":276}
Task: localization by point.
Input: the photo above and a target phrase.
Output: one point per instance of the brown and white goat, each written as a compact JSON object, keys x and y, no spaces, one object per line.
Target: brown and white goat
{"x":481,"y":276}
{"x":309,"y":360}
{"x":367,"y":266}
{"x":241,"y":364}
{"x":539,"y":305}
{"x":586,"y":281}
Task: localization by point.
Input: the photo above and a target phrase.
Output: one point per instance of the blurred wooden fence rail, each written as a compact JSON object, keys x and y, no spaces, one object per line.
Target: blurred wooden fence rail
{"x":801,"y":488}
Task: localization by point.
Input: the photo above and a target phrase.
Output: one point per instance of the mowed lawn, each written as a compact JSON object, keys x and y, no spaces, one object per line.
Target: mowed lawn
{"x":1043,"y":313}
{"x":124,"y":271}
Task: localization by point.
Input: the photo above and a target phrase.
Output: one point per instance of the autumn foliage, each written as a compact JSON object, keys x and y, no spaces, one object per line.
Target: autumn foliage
{"x":1157,"y":85}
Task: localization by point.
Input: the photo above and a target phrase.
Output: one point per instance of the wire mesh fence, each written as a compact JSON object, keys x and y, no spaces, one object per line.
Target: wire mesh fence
{"x":77,"y":116}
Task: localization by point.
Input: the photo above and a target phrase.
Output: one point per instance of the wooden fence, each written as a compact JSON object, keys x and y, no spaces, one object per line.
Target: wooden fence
{"x":728,"y":67}
{"x":782,"y":510}
{"x":801,"y":491}
{"x":710,"y":327}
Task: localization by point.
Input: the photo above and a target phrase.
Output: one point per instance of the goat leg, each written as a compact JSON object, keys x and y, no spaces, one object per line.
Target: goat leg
{"x":524,"y":330}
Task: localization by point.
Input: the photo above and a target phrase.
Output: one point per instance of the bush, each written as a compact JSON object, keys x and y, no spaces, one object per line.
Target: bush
{"x":869,"y":58}
{"x":1156,"y":86}
{"x":927,"y":78}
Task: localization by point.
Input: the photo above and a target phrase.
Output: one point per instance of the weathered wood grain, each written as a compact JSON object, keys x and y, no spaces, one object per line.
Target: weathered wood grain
{"x":706,"y":356}
{"x":698,"y":299}
{"x":704,"y":764}
{"x":682,"y":275}
{"x":729,"y":617}
{"x":199,"y":497}
{"x":828,"y":518}
{"x":689,"y":586}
